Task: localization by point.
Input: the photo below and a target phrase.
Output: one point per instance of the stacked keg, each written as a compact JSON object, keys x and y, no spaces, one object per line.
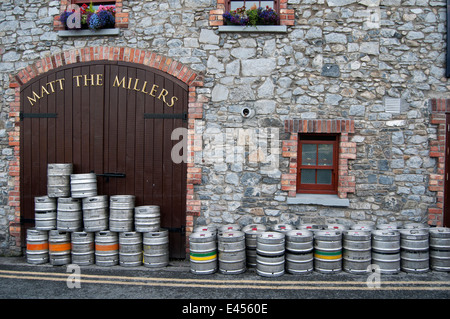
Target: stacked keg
{"x":95,"y":213}
{"x":37,"y":246}
{"x":69,"y":214}
{"x":83,"y":185}
{"x":156,"y":248}
{"x":45,"y":210}
{"x":251,"y":233}
{"x":231,"y":248}
{"x":147,"y":218}
{"x":203,"y":252}
{"x":440,"y":249}
{"x":270,"y":254}
{"x":328,"y":251}
{"x":386,"y":250}
{"x":58,"y":180}
{"x":83,"y":248}
{"x":121,"y":212}
{"x":106,"y":248}
{"x":357,"y":251}
{"x":299,"y":251}
{"x":130,"y":249}
{"x":60,"y":247}
{"x":95,"y":228}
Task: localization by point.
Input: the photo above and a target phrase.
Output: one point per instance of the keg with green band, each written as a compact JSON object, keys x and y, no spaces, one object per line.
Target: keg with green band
{"x":203,"y":256}
{"x":328,"y":251}
{"x":328,"y":255}
{"x":203,"y":252}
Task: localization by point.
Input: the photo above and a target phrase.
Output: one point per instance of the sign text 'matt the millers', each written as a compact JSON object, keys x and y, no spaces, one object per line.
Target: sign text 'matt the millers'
{"x":125,"y":82}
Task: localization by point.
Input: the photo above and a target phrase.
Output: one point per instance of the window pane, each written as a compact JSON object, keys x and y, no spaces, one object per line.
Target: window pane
{"x":309,"y":153}
{"x":324,"y":176}
{"x":236,"y":4}
{"x":325,"y":155}
{"x":249,"y":4}
{"x":270,"y":4}
{"x":308,"y":176}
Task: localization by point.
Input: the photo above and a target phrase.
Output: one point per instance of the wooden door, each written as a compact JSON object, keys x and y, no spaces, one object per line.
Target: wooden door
{"x":114,"y":119}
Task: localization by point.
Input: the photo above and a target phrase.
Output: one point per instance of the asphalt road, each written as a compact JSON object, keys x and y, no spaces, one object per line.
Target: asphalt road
{"x":176,"y":290}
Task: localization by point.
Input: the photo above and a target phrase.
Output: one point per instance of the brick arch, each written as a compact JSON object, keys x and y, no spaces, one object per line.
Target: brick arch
{"x":87,"y":54}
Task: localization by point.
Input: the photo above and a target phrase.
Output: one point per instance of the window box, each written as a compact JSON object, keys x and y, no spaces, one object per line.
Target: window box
{"x":88,"y":33}
{"x":258,"y":28}
{"x":318,"y":199}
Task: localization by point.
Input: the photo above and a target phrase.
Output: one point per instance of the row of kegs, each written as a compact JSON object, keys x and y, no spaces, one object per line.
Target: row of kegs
{"x":116,"y":213}
{"x":102,"y":248}
{"x":413,"y":247}
{"x":73,"y":224}
{"x":72,"y":204}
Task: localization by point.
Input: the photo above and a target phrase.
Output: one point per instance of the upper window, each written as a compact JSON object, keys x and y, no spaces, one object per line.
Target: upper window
{"x":233,"y":5}
{"x":94,"y":2}
{"x":317,"y":163}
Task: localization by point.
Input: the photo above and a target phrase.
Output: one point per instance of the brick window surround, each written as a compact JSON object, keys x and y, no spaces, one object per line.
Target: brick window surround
{"x":121,"y":17}
{"x":143,"y":57}
{"x":347,"y":150}
{"x":439,"y":108}
{"x":287,"y":16}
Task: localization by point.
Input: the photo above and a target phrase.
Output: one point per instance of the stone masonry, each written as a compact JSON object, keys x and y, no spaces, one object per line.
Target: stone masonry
{"x":338,"y":60}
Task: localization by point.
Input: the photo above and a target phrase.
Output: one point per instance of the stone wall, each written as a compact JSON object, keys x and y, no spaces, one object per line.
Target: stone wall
{"x":340,"y":60}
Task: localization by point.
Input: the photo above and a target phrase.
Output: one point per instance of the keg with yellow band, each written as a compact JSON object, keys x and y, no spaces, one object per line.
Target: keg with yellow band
{"x":203,"y":256}
{"x":328,"y":255}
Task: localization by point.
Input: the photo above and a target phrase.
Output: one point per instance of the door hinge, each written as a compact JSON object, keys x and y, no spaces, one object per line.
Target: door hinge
{"x":37,"y":115}
{"x":108,"y":175}
{"x":182,"y":116}
{"x":181,"y":229}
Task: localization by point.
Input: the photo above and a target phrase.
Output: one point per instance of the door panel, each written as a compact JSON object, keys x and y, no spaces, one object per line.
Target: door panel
{"x":100,"y":127}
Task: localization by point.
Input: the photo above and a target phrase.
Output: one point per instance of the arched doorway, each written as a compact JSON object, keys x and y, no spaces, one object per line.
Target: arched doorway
{"x":107,"y":117}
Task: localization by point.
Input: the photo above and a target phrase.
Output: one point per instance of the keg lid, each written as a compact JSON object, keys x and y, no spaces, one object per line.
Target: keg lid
{"x":83,"y":176}
{"x":230,"y":227}
{"x":385,"y":233}
{"x":336,"y":227}
{"x":232,"y":235}
{"x":362,"y":227}
{"x":202,"y":235}
{"x":328,"y":234}
{"x":413,"y":233}
{"x":440,"y":232}
{"x":272,"y":235}
{"x":387,"y":226}
{"x":282,"y":227}
{"x":299,"y":233}
{"x":254,"y":228}
{"x":416,"y":226}
{"x":312,"y":226}
{"x":205,"y":228}
{"x":357,"y":234}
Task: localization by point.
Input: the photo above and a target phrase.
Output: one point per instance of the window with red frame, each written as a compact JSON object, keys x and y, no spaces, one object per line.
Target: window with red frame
{"x":317,"y":163}
{"x":233,"y":5}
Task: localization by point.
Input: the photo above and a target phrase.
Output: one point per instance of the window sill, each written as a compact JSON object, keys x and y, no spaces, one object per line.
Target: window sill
{"x":88,"y":33}
{"x":318,"y":199}
{"x":258,"y":28}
